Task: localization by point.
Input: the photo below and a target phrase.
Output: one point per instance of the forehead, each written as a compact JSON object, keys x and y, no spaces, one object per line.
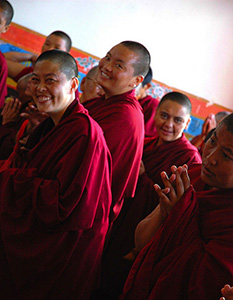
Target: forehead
{"x":2,"y":16}
{"x":56,"y":40}
{"x":224,"y":137}
{"x":123,"y":54}
{"x":46,"y":67}
{"x":173,"y":108}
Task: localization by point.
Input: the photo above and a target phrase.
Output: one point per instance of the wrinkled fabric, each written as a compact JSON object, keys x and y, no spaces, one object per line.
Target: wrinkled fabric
{"x":121,"y":119}
{"x":190,"y":256}
{"x":149,"y":106}
{"x":54,"y":207}
{"x":3,"y":78}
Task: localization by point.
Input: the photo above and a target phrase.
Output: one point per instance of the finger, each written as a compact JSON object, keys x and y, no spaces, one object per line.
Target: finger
{"x":179,"y":183}
{"x":168,"y":184}
{"x":185,"y":179}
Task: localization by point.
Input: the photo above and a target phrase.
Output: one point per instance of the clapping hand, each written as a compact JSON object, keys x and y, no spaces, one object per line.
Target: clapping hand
{"x":175,"y":186}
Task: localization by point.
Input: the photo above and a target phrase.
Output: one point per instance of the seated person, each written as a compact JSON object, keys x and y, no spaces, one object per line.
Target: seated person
{"x":148,"y":103}
{"x":170,"y":147}
{"x":11,"y":118}
{"x":55,"y":194}
{"x":6,"y":15}
{"x":89,"y":86}
{"x":186,"y":243}
{"x":55,"y":40}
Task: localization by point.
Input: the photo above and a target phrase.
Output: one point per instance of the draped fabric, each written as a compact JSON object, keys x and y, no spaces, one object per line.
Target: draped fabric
{"x":149,"y":106}
{"x":3,"y":78}
{"x":190,"y":256}
{"x":54,"y":208}
{"x":156,"y":159}
{"x":121,"y":119}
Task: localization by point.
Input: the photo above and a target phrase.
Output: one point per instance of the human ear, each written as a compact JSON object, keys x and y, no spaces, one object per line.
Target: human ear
{"x":5,"y":29}
{"x":187,"y":123}
{"x":74,"y":84}
{"x":136,"y":81}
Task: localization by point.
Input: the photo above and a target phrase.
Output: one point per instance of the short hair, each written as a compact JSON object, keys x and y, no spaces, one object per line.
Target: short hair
{"x":67,"y":64}
{"x":220,"y":115}
{"x":141,"y":66}
{"x":92,"y":72}
{"x":148,"y":77}
{"x":7,"y":10}
{"x":65,"y":37}
{"x":178,"y":98}
{"x":228,"y":121}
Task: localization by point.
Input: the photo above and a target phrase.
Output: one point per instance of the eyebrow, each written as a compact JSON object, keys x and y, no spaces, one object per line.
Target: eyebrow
{"x":118,"y":60}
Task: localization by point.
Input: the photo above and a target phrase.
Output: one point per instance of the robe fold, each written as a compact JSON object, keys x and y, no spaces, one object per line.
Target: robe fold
{"x":3,"y":78}
{"x":54,"y":210}
{"x":156,"y":159}
{"x":149,"y":105}
{"x":190,"y":256}
{"x":121,"y":119}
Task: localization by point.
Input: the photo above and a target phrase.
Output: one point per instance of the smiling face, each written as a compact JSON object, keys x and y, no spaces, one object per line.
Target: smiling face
{"x":54,"y":42}
{"x":116,"y":71}
{"x":51,"y":90}
{"x":217,"y":159}
{"x":171,"y":119}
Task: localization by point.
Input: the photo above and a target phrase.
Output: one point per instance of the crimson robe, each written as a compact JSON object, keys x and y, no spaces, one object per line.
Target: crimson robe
{"x":121,"y":242}
{"x":121,"y":119}
{"x":191,"y":256}
{"x":3,"y":78}
{"x":8,"y":133}
{"x":149,"y":106}
{"x":54,"y":210}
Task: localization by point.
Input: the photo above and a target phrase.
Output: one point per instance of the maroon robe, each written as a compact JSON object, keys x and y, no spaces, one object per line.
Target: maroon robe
{"x":121,"y":119}
{"x":156,"y":159}
{"x":191,"y":256}
{"x":54,"y":211}
{"x":8,"y":134}
{"x":3,"y":78}
{"x":149,"y":105}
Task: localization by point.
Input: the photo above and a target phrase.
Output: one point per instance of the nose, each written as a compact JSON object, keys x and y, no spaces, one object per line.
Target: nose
{"x":108,"y":66}
{"x":212,"y":157}
{"x":169,"y":123}
{"x":41,"y":86}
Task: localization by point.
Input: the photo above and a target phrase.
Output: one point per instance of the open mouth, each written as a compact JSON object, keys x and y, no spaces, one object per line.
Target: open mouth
{"x":206,"y":171}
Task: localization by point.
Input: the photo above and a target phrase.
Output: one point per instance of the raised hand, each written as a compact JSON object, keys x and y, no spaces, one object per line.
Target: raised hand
{"x":227,"y":292}
{"x":175,"y":187}
{"x":11,"y":111}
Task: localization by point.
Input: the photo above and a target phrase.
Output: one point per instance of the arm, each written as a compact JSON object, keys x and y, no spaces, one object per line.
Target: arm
{"x":175,"y":186}
{"x":147,"y":228}
{"x":20,"y":56}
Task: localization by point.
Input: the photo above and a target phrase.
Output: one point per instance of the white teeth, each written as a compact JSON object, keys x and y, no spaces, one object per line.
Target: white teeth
{"x":105,"y":75}
{"x":42,"y":98}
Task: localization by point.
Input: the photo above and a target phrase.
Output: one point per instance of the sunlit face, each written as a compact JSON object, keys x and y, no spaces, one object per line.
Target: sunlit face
{"x":217,"y":159}
{"x":51,"y":90}
{"x":171,"y":119}
{"x":116,"y":71}
{"x":3,"y":26}
{"x":90,"y":88}
{"x":54,"y":42}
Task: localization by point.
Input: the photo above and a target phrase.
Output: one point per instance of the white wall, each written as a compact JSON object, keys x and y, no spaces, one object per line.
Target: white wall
{"x":191,"y":41}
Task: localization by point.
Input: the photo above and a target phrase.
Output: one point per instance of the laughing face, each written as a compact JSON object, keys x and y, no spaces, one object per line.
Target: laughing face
{"x":171,"y":119}
{"x":51,"y":90}
{"x":217,"y":159}
{"x":116,"y":71}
